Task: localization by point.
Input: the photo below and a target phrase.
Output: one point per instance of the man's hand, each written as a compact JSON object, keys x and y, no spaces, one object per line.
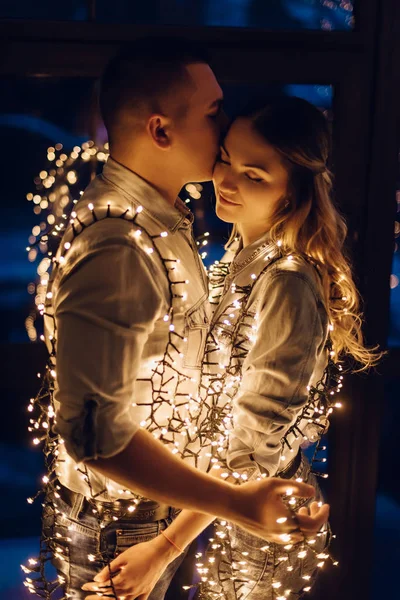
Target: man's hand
{"x":311,"y":519}
{"x":135,"y":571}
{"x":262,"y":512}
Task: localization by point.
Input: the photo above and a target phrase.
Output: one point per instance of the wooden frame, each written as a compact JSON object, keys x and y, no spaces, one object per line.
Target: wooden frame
{"x":361,"y":65}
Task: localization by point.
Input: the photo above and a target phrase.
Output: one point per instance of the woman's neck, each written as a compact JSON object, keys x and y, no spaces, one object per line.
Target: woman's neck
{"x":251,"y":232}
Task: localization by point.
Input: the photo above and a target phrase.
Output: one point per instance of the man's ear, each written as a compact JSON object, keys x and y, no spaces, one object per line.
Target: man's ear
{"x":159,"y":129}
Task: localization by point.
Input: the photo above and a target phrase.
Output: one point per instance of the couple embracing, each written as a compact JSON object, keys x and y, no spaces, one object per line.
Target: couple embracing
{"x":181,"y":398}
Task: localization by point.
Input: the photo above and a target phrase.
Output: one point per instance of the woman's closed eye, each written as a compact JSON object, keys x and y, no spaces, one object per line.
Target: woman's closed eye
{"x":255,"y":179}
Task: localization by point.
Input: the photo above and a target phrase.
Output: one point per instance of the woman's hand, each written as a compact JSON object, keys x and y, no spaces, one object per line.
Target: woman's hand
{"x":134,"y":572}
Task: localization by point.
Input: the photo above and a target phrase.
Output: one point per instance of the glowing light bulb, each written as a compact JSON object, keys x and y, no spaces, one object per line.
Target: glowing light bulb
{"x":276,"y":585}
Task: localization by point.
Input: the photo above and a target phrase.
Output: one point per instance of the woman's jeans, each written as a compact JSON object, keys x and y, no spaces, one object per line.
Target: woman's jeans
{"x":80,"y":541}
{"x":265,"y":569}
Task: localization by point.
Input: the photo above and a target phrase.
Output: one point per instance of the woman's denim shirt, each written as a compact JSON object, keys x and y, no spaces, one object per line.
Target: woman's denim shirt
{"x":285,"y":356}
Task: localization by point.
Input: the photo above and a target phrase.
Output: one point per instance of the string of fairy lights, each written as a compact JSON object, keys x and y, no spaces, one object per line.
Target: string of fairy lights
{"x":192,"y":416}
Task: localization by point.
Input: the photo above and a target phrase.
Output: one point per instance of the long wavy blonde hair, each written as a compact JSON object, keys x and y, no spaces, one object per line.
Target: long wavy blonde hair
{"x":307,"y":221}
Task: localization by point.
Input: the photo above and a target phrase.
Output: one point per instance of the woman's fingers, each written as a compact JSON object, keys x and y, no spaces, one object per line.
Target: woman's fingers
{"x":97,"y":597}
{"x":120,"y":596}
{"x":114,"y":566}
{"x":94,"y":586}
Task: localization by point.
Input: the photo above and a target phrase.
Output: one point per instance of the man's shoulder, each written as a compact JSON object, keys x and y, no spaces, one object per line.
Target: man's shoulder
{"x":102,"y":223}
{"x":104,"y":216}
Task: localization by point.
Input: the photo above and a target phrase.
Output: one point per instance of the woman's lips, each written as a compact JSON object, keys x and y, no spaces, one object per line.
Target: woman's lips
{"x":226,"y":202}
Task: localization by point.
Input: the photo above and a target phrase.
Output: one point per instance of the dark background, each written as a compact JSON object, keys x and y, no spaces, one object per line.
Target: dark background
{"x":340,"y":57}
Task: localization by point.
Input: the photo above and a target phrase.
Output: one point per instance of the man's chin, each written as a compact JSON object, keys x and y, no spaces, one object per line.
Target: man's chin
{"x":200,"y":178}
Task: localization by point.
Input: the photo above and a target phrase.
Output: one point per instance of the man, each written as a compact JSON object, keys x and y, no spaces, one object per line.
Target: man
{"x":128,"y":310}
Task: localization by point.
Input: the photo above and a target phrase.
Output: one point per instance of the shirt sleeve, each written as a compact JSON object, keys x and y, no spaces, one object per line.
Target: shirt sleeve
{"x":105,"y":310}
{"x":276,"y":372}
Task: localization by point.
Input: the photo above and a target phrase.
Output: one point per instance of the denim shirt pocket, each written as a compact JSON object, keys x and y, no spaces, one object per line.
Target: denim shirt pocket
{"x":197,"y":323}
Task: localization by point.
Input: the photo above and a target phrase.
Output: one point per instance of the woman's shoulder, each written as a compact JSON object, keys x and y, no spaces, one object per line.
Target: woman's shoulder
{"x":296,"y":267}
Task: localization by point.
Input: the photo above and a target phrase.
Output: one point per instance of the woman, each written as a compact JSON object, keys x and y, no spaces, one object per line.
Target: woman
{"x":286,"y":309}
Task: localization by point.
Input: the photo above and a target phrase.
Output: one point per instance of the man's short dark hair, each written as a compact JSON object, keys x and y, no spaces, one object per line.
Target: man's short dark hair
{"x":141,"y":73}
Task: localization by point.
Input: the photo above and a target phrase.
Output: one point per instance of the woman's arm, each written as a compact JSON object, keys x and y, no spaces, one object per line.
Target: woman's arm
{"x":188,"y":525}
{"x":291,"y":335}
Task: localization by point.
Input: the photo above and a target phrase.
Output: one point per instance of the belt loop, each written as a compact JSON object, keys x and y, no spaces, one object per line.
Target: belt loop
{"x":77,"y":506}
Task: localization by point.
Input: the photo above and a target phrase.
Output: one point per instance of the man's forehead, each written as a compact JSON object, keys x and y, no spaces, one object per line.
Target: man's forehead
{"x":206,"y":89}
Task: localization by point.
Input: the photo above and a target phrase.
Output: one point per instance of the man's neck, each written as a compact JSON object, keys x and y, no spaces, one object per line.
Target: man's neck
{"x":154,"y":175}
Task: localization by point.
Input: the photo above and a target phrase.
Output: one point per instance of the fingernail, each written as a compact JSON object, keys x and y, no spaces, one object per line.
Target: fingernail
{"x":97,"y":578}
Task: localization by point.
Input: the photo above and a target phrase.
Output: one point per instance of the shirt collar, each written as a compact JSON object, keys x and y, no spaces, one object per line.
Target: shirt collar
{"x":246,"y":256}
{"x":171,"y":217}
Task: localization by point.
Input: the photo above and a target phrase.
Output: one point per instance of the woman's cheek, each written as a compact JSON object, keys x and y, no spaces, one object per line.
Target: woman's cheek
{"x":248,"y":191}
{"x":255,"y":200}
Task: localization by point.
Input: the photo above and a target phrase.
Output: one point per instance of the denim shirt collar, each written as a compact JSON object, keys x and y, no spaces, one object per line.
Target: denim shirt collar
{"x":170,"y":217}
{"x":246,"y":256}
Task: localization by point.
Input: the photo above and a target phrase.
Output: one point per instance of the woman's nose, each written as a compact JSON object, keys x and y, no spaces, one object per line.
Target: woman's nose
{"x":228,"y":184}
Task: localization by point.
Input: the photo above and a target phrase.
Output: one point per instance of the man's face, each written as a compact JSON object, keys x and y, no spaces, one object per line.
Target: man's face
{"x":197,"y":134}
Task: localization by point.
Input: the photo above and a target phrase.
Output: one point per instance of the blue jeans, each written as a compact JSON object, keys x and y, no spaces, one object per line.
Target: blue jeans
{"x":78,"y":538}
{"x":265,"y":567}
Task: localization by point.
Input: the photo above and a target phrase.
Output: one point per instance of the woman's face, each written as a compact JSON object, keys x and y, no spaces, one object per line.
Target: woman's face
{"x":250,"y":178}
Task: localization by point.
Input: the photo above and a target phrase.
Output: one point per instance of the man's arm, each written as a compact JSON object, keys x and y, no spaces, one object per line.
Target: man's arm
{"x":105,"y":310}
{"x":149,"y":468}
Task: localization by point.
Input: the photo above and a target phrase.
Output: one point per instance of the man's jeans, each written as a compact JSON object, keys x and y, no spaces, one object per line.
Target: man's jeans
{"x":80,"y":538}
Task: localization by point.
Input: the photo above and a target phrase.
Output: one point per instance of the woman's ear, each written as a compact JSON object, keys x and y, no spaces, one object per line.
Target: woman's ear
{"x":159,"y":129}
